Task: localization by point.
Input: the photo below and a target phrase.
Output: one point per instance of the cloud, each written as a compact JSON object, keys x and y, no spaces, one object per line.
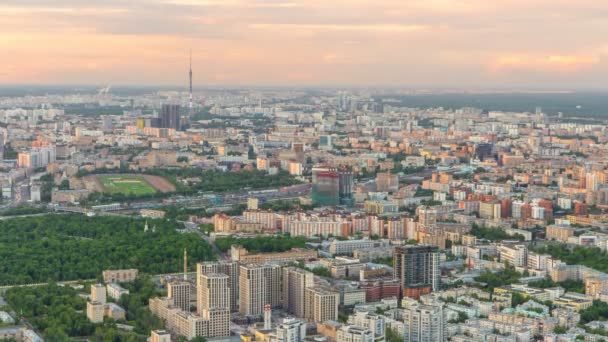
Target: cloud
{"x":388,"y":28}
{"x":381,"y":42}
{"x":544,"y":63}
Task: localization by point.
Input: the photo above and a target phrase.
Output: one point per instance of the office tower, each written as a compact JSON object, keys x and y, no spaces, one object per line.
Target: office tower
{"x":417,"y":269}
{"x":259,"y":285}
{"x":325,"y":142}
{"x":424,"y":323}
{"x":332,"y":187}
{"x":353,"y":333}
{"x":483,"y":151}
{"x":295,"y":283}
{"x":229,"y":268}
{"x":179,"y":291}
{"x":322,"y":304}
{"x":107,"y":125}
{"x":346,"y":184}
{"x":291,"y":330}
{"x":98,"y":293}
{"x":325,"y":187}
{"x":169,"y":116}
{"x":213,"y":292}
{"x":160,"y":336}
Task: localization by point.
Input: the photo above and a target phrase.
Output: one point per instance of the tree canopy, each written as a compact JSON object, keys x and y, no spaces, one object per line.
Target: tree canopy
{"x":58,"y":312}
{"x":58,"y":247}
{"x":262,"y":244}
{"x":588,"y":256}
{"x":493,"y":234}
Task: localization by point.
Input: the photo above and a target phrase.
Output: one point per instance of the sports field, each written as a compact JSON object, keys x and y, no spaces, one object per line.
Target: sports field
{"x":126,"y":184}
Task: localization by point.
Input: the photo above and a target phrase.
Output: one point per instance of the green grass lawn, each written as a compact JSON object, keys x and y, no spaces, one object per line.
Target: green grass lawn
{"x":126,"y":184}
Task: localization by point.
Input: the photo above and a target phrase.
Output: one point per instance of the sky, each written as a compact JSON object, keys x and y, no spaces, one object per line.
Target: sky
{"x":464,"y":44}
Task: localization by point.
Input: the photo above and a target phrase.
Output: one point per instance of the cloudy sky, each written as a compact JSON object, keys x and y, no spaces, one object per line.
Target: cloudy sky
{"x":410,"y":43}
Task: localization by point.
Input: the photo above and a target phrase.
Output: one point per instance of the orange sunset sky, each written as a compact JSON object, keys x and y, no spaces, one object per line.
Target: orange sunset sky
{"x":414,"y":43}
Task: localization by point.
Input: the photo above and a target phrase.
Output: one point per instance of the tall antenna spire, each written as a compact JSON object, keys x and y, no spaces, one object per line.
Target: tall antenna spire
{"x":190,"y":104}
{"x":185,"y":264}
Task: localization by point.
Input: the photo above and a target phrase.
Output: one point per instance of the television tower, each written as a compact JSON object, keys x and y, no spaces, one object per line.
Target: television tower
{"x":190,"y":104}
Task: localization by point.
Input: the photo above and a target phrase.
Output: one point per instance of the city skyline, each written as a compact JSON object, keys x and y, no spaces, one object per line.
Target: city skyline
{"x":441,"y":43}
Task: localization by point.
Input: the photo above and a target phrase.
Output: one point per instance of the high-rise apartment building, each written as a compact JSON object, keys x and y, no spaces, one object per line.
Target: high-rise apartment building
{"x":214,"y":317}
{"x":322,"y":304}
{"x":515,"y":255}
{"x":95,"y":311}
{"x":213,"y":292}
{"x":417,"y":268}
{"x":295,"y":283}
{"x":353,"y":333}
{"x":259,"y":284}
{"x":179,"y":291}
{"x":160,"y":336}
{"x":218,"y":322}
{"x":229,"y":268}
{"x":98,"y":293}
{"x":372,"y":321}
{"x":291,"y":330}
{"x":424,"y":323}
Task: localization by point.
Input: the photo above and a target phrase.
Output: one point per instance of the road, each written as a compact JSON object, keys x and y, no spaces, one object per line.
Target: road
{"x":18,"y":216}
{"x":193,"y":228}
{"x":221,"y":200}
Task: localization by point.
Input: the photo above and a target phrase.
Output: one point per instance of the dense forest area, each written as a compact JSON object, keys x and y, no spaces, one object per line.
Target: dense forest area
{"x":65,"y":247}
{"x":493,"y":234}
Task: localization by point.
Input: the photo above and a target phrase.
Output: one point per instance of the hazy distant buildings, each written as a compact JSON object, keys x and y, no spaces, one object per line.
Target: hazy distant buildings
{"x":37,"y":157}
